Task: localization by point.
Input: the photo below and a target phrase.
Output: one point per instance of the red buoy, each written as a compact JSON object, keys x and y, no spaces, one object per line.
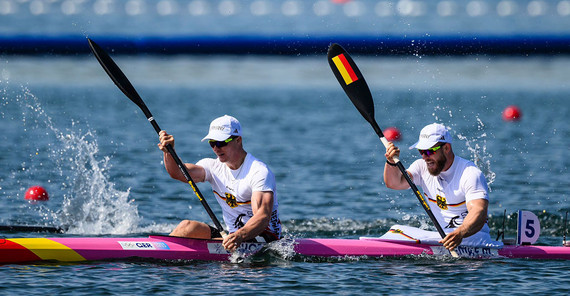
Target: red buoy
{"x":36,"y":193}
{"x":392,"y":134}
{"x":512,"y":113}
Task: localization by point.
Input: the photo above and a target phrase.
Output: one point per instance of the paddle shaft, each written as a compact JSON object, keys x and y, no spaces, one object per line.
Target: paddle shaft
{"x":31,"y":228}
{"x":355,"y":87}
{"x":127,"y":88}
{"x":186,"y":174}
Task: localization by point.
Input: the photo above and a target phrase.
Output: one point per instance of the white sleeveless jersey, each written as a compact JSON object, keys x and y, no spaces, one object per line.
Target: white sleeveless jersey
{"x":451,"y":190}
{"x":233,"y":190}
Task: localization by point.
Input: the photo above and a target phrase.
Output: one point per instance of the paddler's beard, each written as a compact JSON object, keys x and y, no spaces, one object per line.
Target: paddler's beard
{"x":439,"y":165}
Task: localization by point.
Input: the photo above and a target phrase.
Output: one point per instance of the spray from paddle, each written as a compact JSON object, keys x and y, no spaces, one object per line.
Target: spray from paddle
{"x":82,"y":198}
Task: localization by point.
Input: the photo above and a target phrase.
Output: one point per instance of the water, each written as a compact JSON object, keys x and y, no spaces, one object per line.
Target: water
{"x":65,"y":126}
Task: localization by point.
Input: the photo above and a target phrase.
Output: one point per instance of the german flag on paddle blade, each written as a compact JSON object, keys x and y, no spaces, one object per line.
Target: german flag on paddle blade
{"x":344,"y":68}
{"x":352,"y":82}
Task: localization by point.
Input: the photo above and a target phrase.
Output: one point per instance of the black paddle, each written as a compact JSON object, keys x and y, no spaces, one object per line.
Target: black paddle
{"x":127,"y":88}
{"x":355,"y":87}
{"x":30,"y":228}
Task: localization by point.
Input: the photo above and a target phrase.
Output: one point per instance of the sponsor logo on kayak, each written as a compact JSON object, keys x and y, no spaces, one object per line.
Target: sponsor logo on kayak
{"x":247,"y":248}
{"x":467,"y":252}
{"x":161,"y":246}
{"x":144,"y":245}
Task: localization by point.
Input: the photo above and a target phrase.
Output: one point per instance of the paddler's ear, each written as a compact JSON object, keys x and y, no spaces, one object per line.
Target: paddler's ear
{"x":238,"y":140}
{"x":447,"y":148}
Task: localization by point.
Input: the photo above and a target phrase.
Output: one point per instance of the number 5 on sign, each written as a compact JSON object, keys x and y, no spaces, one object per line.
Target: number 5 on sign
{"x":528,"y":228}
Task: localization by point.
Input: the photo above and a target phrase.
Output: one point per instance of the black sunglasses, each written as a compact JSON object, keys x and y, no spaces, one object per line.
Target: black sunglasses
{"x":221,"y":144}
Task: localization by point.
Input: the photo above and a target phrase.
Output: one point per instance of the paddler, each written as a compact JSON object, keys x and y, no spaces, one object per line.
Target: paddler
{"x":456,"y":189}
{"x":243,"y":186}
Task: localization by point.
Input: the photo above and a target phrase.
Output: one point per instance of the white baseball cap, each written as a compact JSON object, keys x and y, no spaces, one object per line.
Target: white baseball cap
{"x":222,"y":128}
{"x":432,"y":134}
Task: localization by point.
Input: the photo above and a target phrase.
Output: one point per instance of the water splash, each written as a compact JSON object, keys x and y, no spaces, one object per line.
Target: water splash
{"x":477,"y":146}
{"x":69,"y":160}
{"x":94,"y":205}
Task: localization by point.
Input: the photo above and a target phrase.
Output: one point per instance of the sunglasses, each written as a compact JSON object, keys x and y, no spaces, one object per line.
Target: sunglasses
{"x":220,"y":144}
{"x":430,"y":151}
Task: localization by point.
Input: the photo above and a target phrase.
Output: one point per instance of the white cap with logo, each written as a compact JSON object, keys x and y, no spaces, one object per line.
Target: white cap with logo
{"x":432,"y":134}
{"x":222,"y":128}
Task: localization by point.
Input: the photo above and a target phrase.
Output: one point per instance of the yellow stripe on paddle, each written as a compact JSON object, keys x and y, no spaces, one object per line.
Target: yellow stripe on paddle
{"x":47,"y":249}
{"x":345,"y":69}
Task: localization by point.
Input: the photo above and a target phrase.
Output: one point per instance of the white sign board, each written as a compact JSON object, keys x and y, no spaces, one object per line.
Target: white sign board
{"x":528,"y":228}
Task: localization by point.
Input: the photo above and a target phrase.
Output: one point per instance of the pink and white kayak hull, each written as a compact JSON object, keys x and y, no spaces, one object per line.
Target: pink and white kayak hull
{"x":64,"y":249}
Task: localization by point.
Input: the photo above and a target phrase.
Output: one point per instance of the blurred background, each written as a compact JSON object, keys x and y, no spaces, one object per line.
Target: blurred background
{"x":446,"y":27}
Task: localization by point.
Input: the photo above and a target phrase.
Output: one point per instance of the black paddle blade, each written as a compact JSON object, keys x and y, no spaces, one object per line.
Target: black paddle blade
{"x":127,"y":88}
{"x":117,"y":76}
{"x":352,"y":81}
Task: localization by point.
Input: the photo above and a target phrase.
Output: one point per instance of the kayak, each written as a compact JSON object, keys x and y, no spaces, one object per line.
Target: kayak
{"x":76,"y":249}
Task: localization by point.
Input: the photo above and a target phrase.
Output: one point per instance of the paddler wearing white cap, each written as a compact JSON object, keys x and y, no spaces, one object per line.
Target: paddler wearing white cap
{"x":456,"y":189}
{"x":244,"y":187}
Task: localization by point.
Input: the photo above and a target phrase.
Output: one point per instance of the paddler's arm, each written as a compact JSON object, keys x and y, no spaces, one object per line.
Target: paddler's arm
{"x":262,"y":206}
{"x":393,"y":178}
{"x":473,"y":223}
{"x":196,"y":172}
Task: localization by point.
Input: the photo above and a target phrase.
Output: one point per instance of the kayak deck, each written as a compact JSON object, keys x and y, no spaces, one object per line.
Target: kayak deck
{"x":21,"y":250}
